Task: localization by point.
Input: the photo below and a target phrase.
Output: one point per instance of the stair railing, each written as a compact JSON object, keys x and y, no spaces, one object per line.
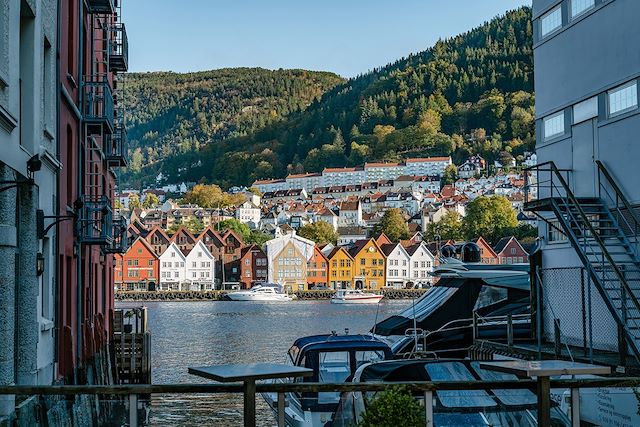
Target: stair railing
{"x":563,"y":196}
{"x":617,"y":202}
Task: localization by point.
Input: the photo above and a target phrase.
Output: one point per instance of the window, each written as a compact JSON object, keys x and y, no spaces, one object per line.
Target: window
{"x":554,"y":233}
{"x":623,"y":99}
{"x":150,"y":262}
{"x":129,"y":262}
{"x":551,"y":21}
{"x":585,"y":110}
{"x":578,"y":7}
{"x":175,"y":274}
{"x":362,"y":261}
{"x":194,"y":264}
{"x":554,"y":125}
{"x":513,"y":251}
{"x":173,"y":254}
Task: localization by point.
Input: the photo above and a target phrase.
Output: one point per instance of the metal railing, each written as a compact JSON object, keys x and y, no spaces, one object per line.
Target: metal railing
{"x":129,"y":394}
{"x":119,"y":48}
{"x":116,"y":147}
{"x":95,"y":220}
{"x":120,"y":239}
{"x":97,"y":102}
{"x":619,"y":205}
{"x":100,"y":6}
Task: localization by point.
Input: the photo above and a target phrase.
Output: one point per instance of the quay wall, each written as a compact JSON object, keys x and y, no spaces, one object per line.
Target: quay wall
{"x":220,"y":295}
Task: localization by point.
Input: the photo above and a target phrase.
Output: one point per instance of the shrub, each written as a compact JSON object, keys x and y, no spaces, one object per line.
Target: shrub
{"x":392,"y":408}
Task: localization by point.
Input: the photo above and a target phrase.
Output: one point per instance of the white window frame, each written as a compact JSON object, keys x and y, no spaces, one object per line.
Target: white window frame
{"x":548,"y":15}
{"x":586,"y":5}
{"x":633,"y":94}
{"x":548,"y":119}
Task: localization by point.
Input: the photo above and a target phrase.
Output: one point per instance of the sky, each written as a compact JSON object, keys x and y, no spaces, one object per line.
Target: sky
{"x":347,"y":37}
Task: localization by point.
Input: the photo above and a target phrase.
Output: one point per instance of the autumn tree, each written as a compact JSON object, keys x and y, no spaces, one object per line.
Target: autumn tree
{"x":212,"y":196}
{"x":320,"y":232}
{"x":134,"y":201}
{"x":150,"y":201}
{"x":393,"y":224}
{"x":490,"y":217}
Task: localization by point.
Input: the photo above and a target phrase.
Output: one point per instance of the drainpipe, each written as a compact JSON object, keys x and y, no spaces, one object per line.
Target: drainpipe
{"x":79,"y":162}
{"x":56,"y":240}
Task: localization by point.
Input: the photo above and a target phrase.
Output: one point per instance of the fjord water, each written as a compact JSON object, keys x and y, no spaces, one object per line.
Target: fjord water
{"x":217,"y":332}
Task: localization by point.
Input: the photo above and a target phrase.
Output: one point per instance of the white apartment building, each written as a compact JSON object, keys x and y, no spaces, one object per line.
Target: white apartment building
{"x":248,"y":213}
{"x":306,"y":181}
{"x":383,"y":171}
{"x":270,"y":185}
{"x":398,"y":265}
{"x":28,"y":125}
{"x":199,"y":266}
{"x":342,"y":176}
{"x":327,"y":215}
{"x":172,"y":268}
{"x":429,"y":166}
{"x":421,"y":264}
{"x":350,"y":214}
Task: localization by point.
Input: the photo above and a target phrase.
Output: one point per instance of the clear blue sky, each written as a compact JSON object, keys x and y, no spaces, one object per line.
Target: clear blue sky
{"x":344,"y":36}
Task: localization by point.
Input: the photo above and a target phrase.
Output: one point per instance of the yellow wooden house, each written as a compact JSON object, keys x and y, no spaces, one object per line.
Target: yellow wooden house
{"x":340,"y":269}
{"x":369,"y":265}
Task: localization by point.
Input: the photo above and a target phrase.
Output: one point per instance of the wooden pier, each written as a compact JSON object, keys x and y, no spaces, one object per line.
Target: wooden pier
{"x":132,"y":342}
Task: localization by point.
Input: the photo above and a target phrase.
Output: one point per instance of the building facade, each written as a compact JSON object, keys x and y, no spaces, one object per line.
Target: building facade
{"x":340,"y":268}
{"x":173,"y":273}
{"x":253,"y":266}
{"x":29,"y":166}
{"x":287,"y":258}
{"x":369,"y":266}
{"x":317,"y":269}
{"x":587,"y":71}
{"x":138,"y":268}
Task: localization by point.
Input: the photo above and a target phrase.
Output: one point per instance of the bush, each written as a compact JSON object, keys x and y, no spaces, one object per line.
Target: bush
{"x":393,"y":408}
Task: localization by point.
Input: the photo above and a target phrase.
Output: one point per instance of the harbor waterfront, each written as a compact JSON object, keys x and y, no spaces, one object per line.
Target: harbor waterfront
{"x":128,"y":296}
{"x":198,"y":333}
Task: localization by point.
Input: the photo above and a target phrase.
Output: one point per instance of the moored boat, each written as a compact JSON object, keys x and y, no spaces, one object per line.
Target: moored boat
{"x":355,"y":296}
{"x":260,"y":293}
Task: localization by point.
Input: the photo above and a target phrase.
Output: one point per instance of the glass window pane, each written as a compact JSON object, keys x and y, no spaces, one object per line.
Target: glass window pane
{"x":554,"y":125}
{"x":456,"y":371}
{"x":334,"y":367}
{"x":551,"y":21}
{"x":580,"y":6}
{"x":623,"y":99}
{"x":363,"y":357}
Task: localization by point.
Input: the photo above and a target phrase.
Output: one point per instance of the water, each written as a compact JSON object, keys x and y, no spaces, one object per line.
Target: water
{"x":216,"y":332}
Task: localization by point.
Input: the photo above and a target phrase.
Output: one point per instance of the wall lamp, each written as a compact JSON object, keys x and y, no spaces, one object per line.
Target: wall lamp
{"x":39,"y":264}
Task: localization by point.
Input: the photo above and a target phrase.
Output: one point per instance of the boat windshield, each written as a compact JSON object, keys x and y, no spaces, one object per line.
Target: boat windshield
{"x":333,"y":367}
{"x":456,"y":371}
{"x":368,"y":356}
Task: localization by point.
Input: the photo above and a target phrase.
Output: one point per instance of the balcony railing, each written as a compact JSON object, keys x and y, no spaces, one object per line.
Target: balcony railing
{"x":127,"y":395}
{"x":119,"y":49}
{"x":95,"y":220}
{"x":100,"y":6}
{"x":116,"y":147}
{"x":120,"y":241}
{"x":97,"y":103}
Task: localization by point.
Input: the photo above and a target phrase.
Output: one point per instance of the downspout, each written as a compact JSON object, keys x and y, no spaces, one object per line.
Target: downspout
{"x":58,"y":281}
{"x":79,"y":160}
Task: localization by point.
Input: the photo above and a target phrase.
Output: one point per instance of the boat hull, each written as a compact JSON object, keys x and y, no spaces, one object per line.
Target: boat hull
{"x":373,"y":299}
{"x":261,"y":298}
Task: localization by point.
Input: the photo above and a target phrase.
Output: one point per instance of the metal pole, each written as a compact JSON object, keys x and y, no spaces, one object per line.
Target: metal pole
{"x":510,"y":332}
{"x":249,"y":403}
{"x":575,"y":407}
{"x":133,"y":410}
{"x":280,"y":409}
{"x":428,"y":408}
{"x":544,"y":402}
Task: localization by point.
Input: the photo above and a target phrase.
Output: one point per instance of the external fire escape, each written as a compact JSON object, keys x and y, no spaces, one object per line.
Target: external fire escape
{"x":104,"y":133}
{"x":603,"y":231}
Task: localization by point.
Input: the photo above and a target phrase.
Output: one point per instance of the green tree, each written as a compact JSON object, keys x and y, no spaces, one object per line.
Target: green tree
{"x":448,"y":228}
{"x":320,"y":232}
{"x":393,"y":407}
{"x":450,"y":175}
{"x":257,"y":237}
{"x":238,"y":227}
{"x":490,"y":217}
{"x":150,"y":201}
{"x":393,"y":225}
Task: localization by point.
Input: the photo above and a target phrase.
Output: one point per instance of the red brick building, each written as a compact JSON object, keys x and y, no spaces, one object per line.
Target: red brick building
{"x":253,"y":266}
{"x":92,"y":50}
{"x":138,"y":268}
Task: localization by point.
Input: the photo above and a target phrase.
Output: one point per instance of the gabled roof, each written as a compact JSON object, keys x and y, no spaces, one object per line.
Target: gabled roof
{"x":382,"y":239}
{"x":359,"y":245}
{"x":175,"y":247}
{"x":213,"y":233}
{"x":337,"y":249}
{"x":388,"y":248}
{"x":482,"y":242}
{"x":504,"y":242}
{"x":145,"y":244}
{"x":183,"y":231}
{"x":160,"y":231}
{"x":411,"y":250}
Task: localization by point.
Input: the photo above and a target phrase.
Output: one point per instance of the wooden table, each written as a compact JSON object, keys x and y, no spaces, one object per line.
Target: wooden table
{"x":543,"y":370}
{"x":249,"y":374}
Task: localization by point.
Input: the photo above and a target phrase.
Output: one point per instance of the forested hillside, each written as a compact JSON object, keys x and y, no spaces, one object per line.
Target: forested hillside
{"x":171,"y":114}
{"x":469,"y":94}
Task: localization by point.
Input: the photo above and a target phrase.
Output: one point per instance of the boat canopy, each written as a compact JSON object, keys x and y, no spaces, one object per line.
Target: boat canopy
{"x":330,"y":342}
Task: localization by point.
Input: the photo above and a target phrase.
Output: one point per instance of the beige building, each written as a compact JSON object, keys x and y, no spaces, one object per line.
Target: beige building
{"x":287,"y":258}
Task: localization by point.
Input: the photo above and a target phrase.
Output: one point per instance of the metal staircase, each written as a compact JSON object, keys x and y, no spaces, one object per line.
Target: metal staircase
{"x":603,"y":230}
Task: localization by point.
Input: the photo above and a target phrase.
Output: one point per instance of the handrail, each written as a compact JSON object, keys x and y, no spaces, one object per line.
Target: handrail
{"x":308,"y":387}
{"x":618,"y":191}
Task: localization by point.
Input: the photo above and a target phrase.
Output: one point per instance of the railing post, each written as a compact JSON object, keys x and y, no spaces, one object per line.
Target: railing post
{"x":575,"y":407}
{"x":556,"y":337}
{"x":133,"y":410}
{"x":281,"y":409}
{"x":510,"y":332}
{"x":428,"y":408}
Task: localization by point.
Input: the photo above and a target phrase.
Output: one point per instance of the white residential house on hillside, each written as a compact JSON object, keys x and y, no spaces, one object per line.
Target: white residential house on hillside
{"x":350,"y":214}
{"x":429,"y":166}
{"x":383,"y":171}
{"x":422,"y":262}
{"x":199,"y":265}
{"x":350,"y":235}
{"x":342,"y":176}
{"x":327,"y":215}
{"x":398,"y":265}
{"x":249,"y":214}
{"x":172,"y":268}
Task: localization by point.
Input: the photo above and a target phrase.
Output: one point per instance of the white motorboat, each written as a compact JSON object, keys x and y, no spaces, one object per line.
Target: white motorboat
{"x":355,"y":296}
{"x":260,"y":293}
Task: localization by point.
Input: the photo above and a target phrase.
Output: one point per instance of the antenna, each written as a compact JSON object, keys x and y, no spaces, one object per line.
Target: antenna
{"x":415,"y":326}
{"x":375,"y":323}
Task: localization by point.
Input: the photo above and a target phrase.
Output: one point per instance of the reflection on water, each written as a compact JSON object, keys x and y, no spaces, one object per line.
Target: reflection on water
{"x":214,"y":332}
